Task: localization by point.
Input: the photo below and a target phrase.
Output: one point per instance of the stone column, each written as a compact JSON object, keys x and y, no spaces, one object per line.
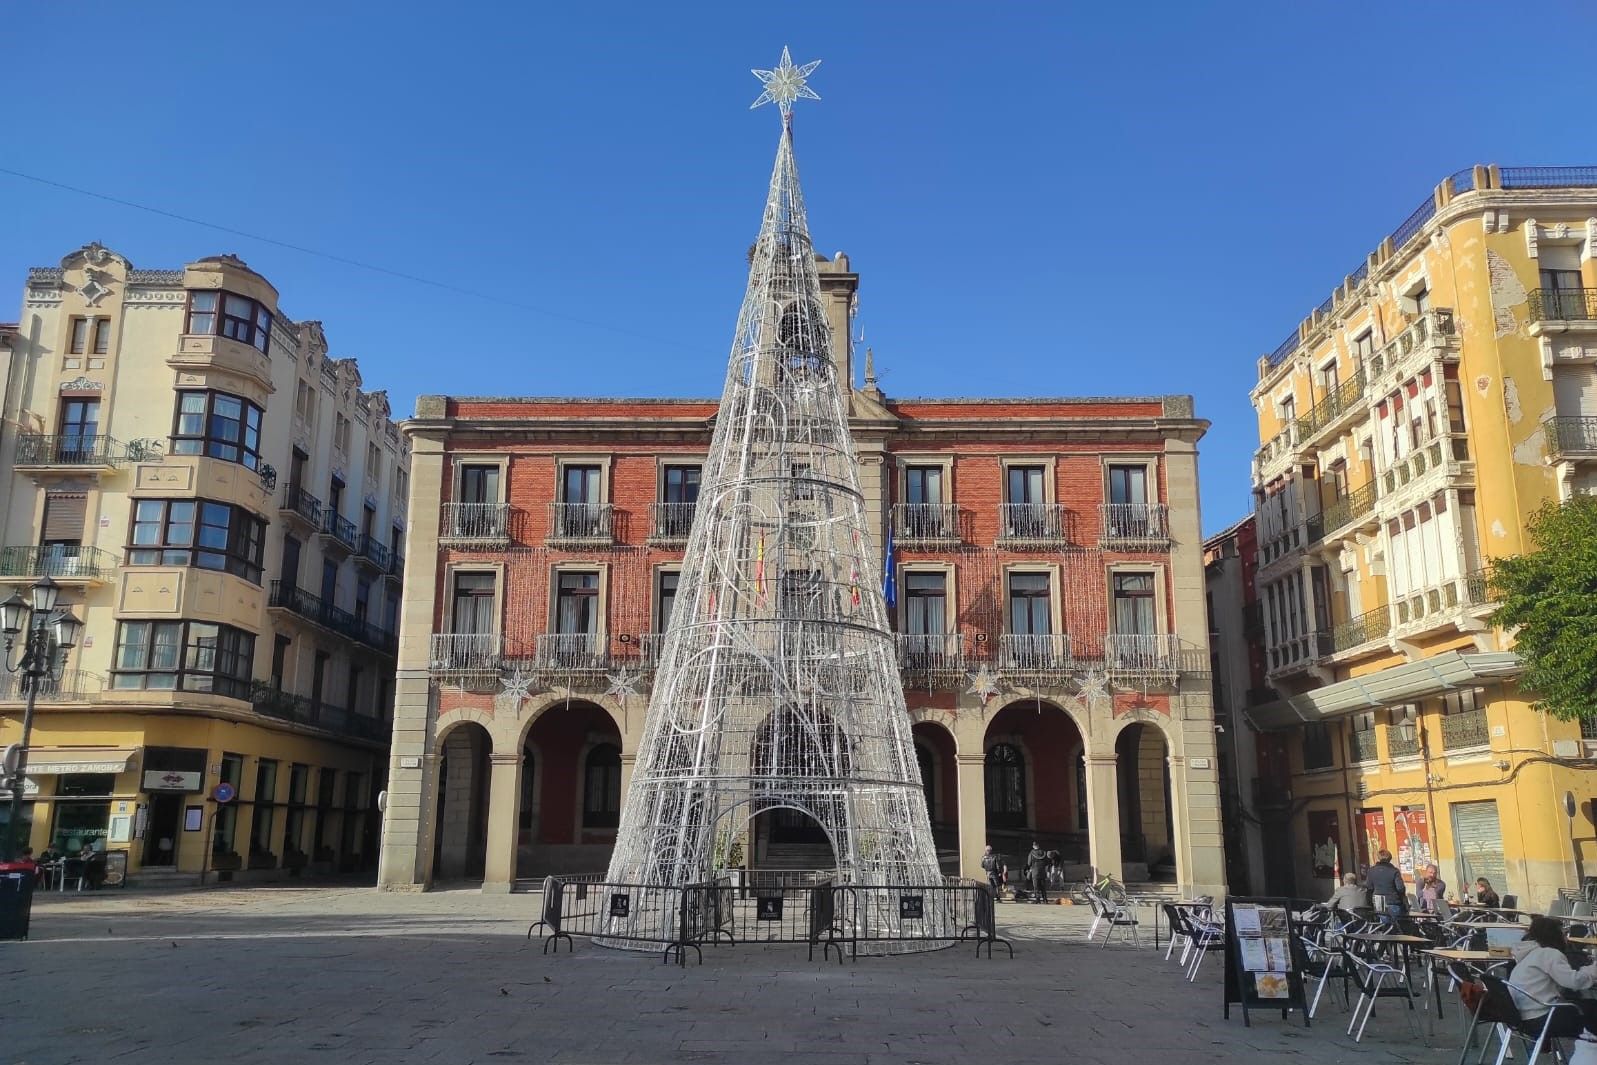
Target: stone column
{"x":504,"y":795}
{"x":972,"y":814}
{"x":628,"y":763}
{"x":1103,"y":815}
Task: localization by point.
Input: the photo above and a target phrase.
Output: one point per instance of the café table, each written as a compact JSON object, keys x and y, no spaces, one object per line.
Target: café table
{"x":1406,"y":943}
{"x":1483,"y":959}
{"x":1585,"y":941}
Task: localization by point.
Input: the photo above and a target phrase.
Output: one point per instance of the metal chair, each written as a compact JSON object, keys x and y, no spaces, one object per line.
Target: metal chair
{"x":1510,"y":902}
{"x":1533,"y":1034}
{"x":1180,"y":929}
{"x":1118,"y":916}
{"x":1376,"y":979}
{"x":1210,"y":937}
{"x":1323,"y":961}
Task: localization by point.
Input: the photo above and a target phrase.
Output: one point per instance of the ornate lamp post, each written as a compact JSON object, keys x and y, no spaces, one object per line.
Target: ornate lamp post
{"x":44,"y":632}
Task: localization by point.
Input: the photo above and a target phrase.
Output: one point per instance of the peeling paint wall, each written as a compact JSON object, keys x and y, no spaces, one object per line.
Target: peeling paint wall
{"x":1508,"y":292}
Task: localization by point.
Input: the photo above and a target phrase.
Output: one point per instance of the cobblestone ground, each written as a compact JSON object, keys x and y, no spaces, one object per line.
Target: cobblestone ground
{"x":344,"y":974}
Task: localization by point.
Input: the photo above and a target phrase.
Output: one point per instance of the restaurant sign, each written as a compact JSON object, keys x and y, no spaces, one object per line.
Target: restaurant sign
{"x":172,"y":780}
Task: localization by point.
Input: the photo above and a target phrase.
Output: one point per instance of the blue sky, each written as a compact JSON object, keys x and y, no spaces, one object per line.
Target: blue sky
{"x":1042,"y":199}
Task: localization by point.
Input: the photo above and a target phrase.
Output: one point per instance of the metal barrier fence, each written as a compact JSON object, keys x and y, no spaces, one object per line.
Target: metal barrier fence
{"x":863,"y":918}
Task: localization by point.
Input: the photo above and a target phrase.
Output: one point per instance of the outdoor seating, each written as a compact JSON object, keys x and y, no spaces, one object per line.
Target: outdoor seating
{"x":1210,"y":936}
{"x":1376,"y":980}
{"x":1117,"y":915}
{"x":1180,"y":929}
{"x":1499,"y":1008}
{"x":1323,"y":961}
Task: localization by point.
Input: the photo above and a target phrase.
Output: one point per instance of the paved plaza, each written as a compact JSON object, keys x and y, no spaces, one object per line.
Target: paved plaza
{"x":348,"y":974}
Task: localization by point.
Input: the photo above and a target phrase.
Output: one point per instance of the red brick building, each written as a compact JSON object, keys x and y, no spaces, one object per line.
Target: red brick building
{"x":1049,"y":596}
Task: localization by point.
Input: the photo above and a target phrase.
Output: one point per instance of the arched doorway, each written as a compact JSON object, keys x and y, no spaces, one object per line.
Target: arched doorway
{"x":793,"y":745}
{"x":461,"y":833}
{"x":1147,"y":816}
{"x":570,"y":801}
{"x":934,"y":751}
{"x":1032,"y":785}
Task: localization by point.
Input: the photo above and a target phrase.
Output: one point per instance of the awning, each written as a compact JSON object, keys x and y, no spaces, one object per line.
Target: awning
{"x":1389,"y":687}
{"x":44,"y":761}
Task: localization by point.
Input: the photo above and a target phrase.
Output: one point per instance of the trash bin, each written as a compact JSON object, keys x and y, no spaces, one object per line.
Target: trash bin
{"x":16,"y":902}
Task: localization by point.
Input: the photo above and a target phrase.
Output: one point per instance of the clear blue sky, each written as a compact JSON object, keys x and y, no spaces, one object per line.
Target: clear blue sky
{"x":1042,"y":199}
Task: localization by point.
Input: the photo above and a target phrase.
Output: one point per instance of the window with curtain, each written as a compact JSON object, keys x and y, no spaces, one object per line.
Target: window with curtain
{"x":219,"y":425}
{"x":1005,"y":780}
{"x":1134,"y":604}
{"x":473,"y":608}
{"x":601,"y":787}
{"x":925,"y":601}
{"x":577,"y":604}
{"x":1030,"y":612}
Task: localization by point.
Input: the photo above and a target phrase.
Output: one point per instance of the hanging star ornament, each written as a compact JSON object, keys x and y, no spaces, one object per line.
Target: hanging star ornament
{"x":983,"y":684}
{"x":1094,"y":686}
{"x":518,"y":686}
{"x":623,"y":683}
{"x":785,"y":84}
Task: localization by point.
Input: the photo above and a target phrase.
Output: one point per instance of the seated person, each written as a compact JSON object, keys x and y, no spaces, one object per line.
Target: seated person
{"x":1485,"y":895}
{"x":1350,"y":896}
{"x":1542,"y":974}
{"x":1431,"y":888}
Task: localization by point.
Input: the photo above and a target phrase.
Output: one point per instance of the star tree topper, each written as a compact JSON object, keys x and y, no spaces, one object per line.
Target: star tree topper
{"x":785,"y":84}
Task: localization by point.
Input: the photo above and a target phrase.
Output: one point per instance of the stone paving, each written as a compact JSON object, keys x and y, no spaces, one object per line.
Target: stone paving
{"x":348,"y":974}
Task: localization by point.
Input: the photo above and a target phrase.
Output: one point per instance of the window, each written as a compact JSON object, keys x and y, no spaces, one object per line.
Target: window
{"x":201,"y":533}
{"x":577,"y":603}
{"x":1024,"y":484}
{"x":601,"y":787}
{"x":374,"y":464}
{"x":280,"y":646}
{"x":1363,"y":348}
{"x":195,"y":656}
{"x":294,"y":828}
{"x":64,"y":516}
{"x":402,"y":484}
{"x":102,"y":336}
{"x":665,"y":598}
{"x":264,"y":808}
{"x":352,"y":690}
{"x":473,"y":607}
{"x":1030,"y":610}
{"x":1128,"y":484}
{"x":240,"y":318}
{"x":319,"y":677}
{"x":79,"y":341}
{"x":580,"y":484}
{"x":1363,"y":737}
{"x":682,"y":484}
{"x":1128,"y":514}
{"x":923,"y":497}
{"x":1317,"y":746}
{"x":80,"y":427}
{"x":1463,"y":702}
{"x":341,"y":433}
{"x":923,"y":485}
{"x":1330,"y":377}
{"x":220,"y":425}
{"x":1025,"y":498}
{"x":1134,"y":604}
{"x":363,"y":595}
{"x":305,"y":402}
{"x":226,"y":818}
{"x":925,"y":603}
{"x":479,"y":484}
{"x":1004,"y":777}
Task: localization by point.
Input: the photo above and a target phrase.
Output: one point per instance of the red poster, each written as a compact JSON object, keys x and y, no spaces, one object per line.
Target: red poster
{"x":1371,"y":837}
{"x":1325,"y":844}
{"x":1412,"y":833}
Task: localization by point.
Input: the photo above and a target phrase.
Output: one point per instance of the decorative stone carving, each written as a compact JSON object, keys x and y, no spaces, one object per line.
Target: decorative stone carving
{"x":82,"y":384}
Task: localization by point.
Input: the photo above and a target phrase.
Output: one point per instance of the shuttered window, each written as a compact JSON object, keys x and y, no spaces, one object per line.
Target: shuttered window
{"x":1479,"y":839}
{"x":63,"y":517}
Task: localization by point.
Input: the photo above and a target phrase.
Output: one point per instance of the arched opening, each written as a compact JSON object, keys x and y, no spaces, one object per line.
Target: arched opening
{"x":461,"y":838}
{"x":796,"y":745}
{"x":790,"y":840}
{"x":1032,"y":785}
{"x":1147,"y":817}
{"x":570,"y":801}
{"x":934,"y":750}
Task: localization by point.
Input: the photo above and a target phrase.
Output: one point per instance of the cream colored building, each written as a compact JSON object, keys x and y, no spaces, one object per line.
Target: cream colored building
{"x":223,"y":505}
{"x":1409,"y":426}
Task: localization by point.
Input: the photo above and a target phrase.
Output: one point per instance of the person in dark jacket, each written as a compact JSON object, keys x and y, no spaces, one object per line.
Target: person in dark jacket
{"x":1485,"y":895}
{"x":1386,"y":880}
{"x":1037,"y":872}
{"x":992,"y":863}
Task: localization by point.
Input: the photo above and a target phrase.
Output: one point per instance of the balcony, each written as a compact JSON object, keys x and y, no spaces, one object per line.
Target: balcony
{"x":1135,"y":526}
{"x":1427,"y":338}
{"x":926,"y":524}
{"x":75,"y":454}
{"x":271,"y":701}
{"x":1366,"y":628}
{"x":1035,"y":653}
{"x":464,"y":652}
{"x":1142,"y":656}
{"x":1297,"y":653}
{"x":931,"y":660}
{"x":1402,"y":743}
{"x":670,"y":523}
{"x":1441,"y":452}
{"x":338,"y":533}
{"x":1570,"y":306}
{"x":372,"y":554}
{"x":1271,"y":457}
{"x":581,"y":524}
{"x":1441,"y":604}
{"x":320,"y":612}
{"x":1346,"y":398}
{"x":72,"y":686}
{"x":475,"y":525}
{"x":64,"y":563}
{"x":1362,"y":748}
{"x":1032,"y":525}
{"x":1570,"y":438}
{"x":571,"y":652}
{"x":1357,"y":506}
{"x":299,"y":506}
{"x":1463,"y":731}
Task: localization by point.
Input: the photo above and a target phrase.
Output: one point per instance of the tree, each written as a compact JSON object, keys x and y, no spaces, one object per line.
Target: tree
{"x":1550,"y":596}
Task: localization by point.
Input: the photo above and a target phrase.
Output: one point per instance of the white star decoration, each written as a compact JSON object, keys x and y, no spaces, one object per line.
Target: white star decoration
{"x":623,"y":683}
{"x":518,"y":686}
{"x":1094,"y":686}
{"x":785,"y":84}
{"x":983,"y":684}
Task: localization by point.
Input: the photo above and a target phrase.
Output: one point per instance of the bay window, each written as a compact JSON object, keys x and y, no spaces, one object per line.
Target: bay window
{"x":201,"y":533}
{"x":240,"y":318}
{"x":196,"y":656}
{"x":219,"y":425}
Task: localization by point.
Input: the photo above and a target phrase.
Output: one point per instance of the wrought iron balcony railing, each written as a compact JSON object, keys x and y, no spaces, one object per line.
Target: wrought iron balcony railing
{"x":581,"y":523}
{"x":271,"y":701}
{"x":925,"y":523}
{"x":1032,"y":523}
{"x":1399,"y":745}
{"x":1428,"y":456}
{"x":1430,"y":333}
{"x":1034,"y":652}
{"x":1428,"y":604}
{"x":670,"y":523}
{"x":1135,"y":524}
{"x":373,"y":552}
{"x":1467,"y":729}
{"x":284,"y":596}
{"x":62,"y":562}
{"x":571,"y":651}
{"x":340,"y":529}
{"x":1356,"y":632}
{"x":71,"y":686}
{"x":488,"y":522}
{"x":1142,"y":655}
{"x":1362,"y":748}
{"x":1357,"y":504}
{"x":1563,"y":304}
{"x":920,"y":654}
{"x":71,"y":449}
{"x":1347,"y":396}
{"x":464,"y":651}
{"x":1569,"y":436}
{"x":301,"y":504}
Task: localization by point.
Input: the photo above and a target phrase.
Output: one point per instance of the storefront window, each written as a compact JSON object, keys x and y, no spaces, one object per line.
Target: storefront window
{"x":82,"y":811}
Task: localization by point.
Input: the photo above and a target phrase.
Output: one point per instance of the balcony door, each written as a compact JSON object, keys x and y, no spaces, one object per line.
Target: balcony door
{"x":1134,"y":604}
{"x":923,"y":490}
{"x":581,"y":491}
{"x":576,"y":615}
{"x":1128,"y":484}
{"x":472,"y":610}
{"x":925,"y":618}
{"x":289,"y":574}
{"x":479,"y":484}
{"x":681,"y":493}
{"x":80,"y":426}
{"x":1025,"y":493}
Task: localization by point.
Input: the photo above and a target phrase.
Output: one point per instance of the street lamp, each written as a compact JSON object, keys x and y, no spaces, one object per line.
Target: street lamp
{"x":45,"y":632}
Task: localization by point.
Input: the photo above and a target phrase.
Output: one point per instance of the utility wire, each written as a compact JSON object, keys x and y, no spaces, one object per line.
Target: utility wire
{"x":345,"y":260}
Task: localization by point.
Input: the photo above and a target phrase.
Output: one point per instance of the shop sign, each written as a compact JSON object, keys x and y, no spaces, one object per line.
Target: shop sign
{"x":30,"y":787}
{"x":58,"y":768}
{"x":172,"y":780}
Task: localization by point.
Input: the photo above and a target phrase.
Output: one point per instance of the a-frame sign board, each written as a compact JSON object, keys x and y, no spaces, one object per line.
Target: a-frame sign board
{"x":1263,"y":958}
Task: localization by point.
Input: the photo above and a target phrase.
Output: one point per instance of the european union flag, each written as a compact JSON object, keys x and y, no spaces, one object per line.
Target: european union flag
{"x":889,"y":571}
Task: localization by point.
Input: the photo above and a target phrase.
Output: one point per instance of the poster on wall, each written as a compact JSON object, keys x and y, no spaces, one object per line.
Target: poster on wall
{"x":1325,"y":844}
{"x":1411,"y":831}
{"x":1371,"y":836}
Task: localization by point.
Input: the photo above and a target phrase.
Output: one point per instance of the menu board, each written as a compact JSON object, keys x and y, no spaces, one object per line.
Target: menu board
{"x":1263,"y":967}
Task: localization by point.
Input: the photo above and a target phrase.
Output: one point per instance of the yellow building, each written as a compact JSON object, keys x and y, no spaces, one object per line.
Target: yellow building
{"x":222,"y":505}
{"x":1409,"y":426}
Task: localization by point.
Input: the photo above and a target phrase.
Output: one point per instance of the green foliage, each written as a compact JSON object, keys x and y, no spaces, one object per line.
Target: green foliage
{"x":1550,"y":596}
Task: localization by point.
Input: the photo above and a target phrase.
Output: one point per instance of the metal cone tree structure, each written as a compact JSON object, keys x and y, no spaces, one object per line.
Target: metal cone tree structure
{"x":778,"y":685}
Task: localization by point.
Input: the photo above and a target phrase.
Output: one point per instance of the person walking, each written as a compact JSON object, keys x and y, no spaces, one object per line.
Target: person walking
{"x":1037,"y":872}
{"x":1386,"y":886}
{"x":992,"y":863}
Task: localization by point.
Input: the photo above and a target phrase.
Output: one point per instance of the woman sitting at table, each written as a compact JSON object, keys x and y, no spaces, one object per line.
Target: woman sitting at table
{"x":1541,"y":975}
{"x":1484,"y":894}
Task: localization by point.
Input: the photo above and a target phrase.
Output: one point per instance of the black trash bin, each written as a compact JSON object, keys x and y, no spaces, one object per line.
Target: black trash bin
{"x":16,"y":902}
